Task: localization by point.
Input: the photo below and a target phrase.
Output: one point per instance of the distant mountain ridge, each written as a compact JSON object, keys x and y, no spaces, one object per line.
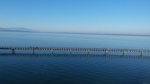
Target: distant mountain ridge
{"x":30,"y":30}
{"x":16,"y":29}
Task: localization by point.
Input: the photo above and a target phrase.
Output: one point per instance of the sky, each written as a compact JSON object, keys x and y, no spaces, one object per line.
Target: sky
{"x":83,"y":16}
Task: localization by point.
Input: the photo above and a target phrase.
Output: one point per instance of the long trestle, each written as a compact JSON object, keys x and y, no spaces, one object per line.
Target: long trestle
{"x":88,"y":50}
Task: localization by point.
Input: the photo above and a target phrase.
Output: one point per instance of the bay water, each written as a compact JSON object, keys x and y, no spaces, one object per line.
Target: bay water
{"x":73,"y":69}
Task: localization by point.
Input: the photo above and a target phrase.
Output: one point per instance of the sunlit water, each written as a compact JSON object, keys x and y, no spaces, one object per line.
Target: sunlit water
{"x":68,"y":69}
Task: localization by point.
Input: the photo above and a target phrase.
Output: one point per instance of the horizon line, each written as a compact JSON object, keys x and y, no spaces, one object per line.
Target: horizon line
{"x":84,"y":33}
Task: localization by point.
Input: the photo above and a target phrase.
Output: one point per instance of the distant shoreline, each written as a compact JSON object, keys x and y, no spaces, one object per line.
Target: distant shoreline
{"x":97,"y":34}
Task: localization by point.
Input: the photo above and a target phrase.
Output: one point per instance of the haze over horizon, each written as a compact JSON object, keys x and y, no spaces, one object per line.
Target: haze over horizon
{"x":83,"y":16}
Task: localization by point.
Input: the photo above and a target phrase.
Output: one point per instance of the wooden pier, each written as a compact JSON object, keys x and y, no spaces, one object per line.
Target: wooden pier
{"x":88,"y":50}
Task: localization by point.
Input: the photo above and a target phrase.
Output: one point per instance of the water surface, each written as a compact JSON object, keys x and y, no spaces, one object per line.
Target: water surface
{"x":73,"y":69}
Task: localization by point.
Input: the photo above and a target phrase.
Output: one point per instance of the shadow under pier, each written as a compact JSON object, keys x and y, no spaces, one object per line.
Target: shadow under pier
{"x":79,"y":55}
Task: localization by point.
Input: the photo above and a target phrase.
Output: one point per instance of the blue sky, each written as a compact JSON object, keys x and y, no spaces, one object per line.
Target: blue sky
{"x":88,"y":16}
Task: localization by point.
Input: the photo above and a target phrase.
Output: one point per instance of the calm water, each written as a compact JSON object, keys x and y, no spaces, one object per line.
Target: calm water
{"x":67,"y":69}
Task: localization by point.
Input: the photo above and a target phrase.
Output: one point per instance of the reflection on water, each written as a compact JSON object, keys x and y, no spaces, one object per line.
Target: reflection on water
{"x":73,"y":69}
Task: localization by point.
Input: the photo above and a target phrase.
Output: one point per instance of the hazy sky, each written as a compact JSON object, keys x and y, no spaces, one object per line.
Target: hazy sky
{"x":99,"y":16}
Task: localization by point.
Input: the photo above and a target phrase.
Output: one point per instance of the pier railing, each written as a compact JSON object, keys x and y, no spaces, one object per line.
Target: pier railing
{"x":88,"y":50}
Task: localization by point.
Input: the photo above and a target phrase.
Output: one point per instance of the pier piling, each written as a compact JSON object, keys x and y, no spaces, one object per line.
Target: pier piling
{"x":33,"y":52}
{"x":52,"y":51}
{"x":141,"y":53}
{"x":70,"y":51}
{"x":13,"y":51}
{"x":88,"y":51}
{"x":106,"y":52}
{"x":123,"y":53}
